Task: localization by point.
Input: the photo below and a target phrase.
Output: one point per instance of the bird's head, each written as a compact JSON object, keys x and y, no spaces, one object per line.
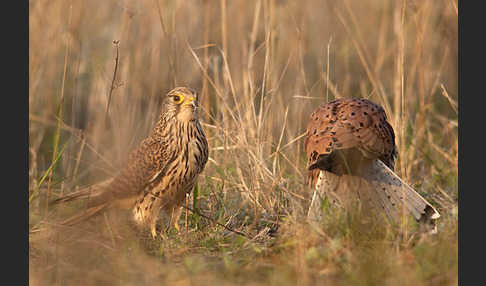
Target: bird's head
{"x":182,"y":103}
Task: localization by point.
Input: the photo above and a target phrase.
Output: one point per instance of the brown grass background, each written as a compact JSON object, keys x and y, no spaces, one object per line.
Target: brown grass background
{"x":261,"y":67}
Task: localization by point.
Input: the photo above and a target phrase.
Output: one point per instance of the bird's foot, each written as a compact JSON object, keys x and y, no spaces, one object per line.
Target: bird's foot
{"x":176,"y":226}
{"x":158,"y":233}
{"x":153,"y":232}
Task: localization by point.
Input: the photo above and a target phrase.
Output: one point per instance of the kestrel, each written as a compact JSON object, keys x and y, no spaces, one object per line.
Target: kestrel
{"x":160,"y":172}
{"x":350,"y":145}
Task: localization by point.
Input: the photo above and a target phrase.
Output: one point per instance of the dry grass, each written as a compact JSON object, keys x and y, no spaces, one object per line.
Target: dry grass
{"x":262,"y":67}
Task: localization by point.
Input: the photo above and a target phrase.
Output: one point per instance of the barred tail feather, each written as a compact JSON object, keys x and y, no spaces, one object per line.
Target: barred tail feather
{"x":394,"y":195}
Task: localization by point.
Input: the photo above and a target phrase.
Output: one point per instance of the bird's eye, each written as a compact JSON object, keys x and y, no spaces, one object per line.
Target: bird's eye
{"x":178,"y":98}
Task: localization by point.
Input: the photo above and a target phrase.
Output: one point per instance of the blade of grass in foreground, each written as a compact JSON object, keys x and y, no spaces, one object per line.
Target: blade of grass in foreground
{"x":47,"y":172}
{"x":57,"y":134}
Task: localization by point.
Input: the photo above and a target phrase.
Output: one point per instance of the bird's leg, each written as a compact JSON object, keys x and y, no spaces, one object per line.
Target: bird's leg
{"x":176,"y":214}
{"x":153,"y":231}
{"x":153,"y":228}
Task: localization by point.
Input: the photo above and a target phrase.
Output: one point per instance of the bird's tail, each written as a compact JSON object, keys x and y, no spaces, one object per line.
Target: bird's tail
{"x":84,"y":193}
{"x":395,"y":197}
{"x":95,"y":193}
{"x":97,"y":200}
{"x":378,"y":189}
{"x":84,"y":215}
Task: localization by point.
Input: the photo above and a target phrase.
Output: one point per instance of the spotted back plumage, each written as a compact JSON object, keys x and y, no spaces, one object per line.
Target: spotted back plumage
{"x":348,"y":123}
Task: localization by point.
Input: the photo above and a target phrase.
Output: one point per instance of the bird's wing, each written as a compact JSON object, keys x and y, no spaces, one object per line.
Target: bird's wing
{"x":350,"y":123}
{"x":146,"y":164}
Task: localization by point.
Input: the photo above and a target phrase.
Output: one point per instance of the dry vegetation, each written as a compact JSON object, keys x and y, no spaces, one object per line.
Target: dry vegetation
{"x":261,"y":67}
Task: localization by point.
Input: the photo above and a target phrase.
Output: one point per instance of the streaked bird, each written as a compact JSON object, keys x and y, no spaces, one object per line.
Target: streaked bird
{"x":160,"y":172}
{"x":351,"y":152}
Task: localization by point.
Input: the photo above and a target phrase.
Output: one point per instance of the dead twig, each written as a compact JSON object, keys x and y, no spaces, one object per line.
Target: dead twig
{"x":220,"y":224}
{"x":112,"y":87}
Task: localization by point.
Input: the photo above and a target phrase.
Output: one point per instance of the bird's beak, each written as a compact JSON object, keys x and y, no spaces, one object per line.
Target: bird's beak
{"x":190,"y":101}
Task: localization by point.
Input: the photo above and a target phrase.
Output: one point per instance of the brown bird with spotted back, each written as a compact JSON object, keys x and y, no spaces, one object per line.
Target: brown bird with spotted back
{"x":350,"y":145}
{"x":160,"y":172}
